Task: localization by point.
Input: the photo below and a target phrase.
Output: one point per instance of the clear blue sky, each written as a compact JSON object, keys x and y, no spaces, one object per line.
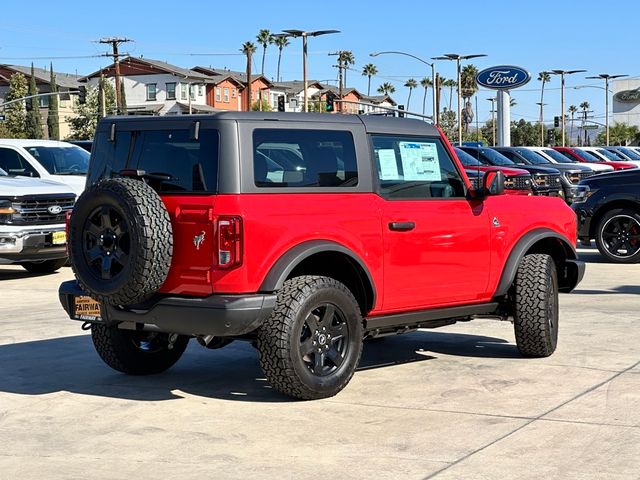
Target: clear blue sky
{"x":601,"y":37}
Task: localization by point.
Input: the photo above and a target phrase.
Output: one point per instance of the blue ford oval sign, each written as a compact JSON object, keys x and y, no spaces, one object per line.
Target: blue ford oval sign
{"x":503,"y":77}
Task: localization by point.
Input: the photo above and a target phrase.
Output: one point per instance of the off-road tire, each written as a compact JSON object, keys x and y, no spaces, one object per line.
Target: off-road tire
{"x":48,"y":266}
{"x":119,"y":349}
{"x":536,"y":306}
{"x":627,"y":215}
{"x":279,"y":337}
{"x":149,"y":240}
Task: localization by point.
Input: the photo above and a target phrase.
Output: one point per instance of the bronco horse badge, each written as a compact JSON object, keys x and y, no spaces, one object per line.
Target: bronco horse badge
{"x":198,"y":240}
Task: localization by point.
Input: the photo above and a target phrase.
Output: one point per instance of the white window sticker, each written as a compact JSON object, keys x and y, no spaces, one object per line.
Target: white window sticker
{"x":388,"y":164}
{"x":420,"y":161}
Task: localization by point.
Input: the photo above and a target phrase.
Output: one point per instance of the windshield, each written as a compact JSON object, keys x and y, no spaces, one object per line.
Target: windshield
{"x":466,"y":159}
{"x":533,"y":157}
{"x":557,"y":156}
{"x":630,"y":153}
{"x":608,"y":155}
{"x":61,"y":160}
{"x":495,"y":158}
{"x":586,"y":156}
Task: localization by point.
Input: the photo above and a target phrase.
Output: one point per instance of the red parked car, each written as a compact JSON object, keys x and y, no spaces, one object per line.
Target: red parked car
{"x":586,"y":157}
{"x":303,"y":234}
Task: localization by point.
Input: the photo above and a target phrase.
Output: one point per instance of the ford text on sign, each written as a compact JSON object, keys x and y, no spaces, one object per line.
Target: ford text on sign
{"x":504,"y":77}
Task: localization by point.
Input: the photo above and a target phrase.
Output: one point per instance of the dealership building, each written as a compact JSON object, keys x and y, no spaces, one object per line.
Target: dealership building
{"x":626,"y":101}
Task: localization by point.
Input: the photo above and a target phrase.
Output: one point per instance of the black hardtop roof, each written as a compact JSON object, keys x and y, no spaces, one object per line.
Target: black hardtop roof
{"x":372,"y":123}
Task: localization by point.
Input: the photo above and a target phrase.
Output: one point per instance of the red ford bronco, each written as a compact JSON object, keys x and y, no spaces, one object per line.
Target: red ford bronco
{"x":303,"y":234}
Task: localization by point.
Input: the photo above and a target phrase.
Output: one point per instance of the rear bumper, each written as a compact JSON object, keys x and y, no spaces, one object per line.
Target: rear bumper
{"x":30,"y":244}
{"x":218,"y":315}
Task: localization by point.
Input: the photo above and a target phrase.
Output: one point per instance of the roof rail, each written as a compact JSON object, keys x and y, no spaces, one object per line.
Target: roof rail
{"x":387,"y":109}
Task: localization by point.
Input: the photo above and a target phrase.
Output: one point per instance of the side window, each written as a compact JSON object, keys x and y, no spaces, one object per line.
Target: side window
{"x":13,"y":163}
{"x":304,"y":158}
{"x":415,"y":168}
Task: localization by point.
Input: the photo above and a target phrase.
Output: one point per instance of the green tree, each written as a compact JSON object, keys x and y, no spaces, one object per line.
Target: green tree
{"x":347,"y":58}
{"x":448,"y":123}
{"x":585,"y":111}
{"x":450,"y":84}
{"x":83,"y":123}
{"x":543,"y":77}
{"x":280,"y":41}
{"x":386,"y":88}
{"x":123,"y":99}
{"x":572,"y":110}
{"x":248,"y":49}
{"x":468,"y":89}
{"x":265,"y":39}
{"x":33,"y":123}
{"x":487,"y":132}
{"x":369,"y":70}
{"x":619,"y":134}
{"x":53,"y":117}
{"x":266,"y":107}
{"x":410,"y":84}
{"x":524,"y":133}
{"x":425,"y":83}
{"x":16,"y":114}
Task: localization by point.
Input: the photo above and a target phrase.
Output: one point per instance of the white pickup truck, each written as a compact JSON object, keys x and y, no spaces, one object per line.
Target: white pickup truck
{"x":32,"y":222}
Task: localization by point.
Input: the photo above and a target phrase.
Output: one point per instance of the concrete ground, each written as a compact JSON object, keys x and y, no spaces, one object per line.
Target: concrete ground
{"x":453,"y":403}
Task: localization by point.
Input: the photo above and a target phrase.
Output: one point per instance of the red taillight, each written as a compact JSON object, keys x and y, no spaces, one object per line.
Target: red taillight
{"x":229,"y":242}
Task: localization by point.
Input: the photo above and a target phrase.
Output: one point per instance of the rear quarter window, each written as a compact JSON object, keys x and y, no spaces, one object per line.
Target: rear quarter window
{"x":304,"y":158}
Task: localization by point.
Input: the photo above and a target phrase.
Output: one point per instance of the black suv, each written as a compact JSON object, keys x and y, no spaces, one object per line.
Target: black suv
{"x":608,"y":209}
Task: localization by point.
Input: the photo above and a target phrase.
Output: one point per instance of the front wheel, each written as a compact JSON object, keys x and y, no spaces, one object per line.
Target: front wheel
{"x":47,"y":266}
{"x":536,"y":306}
{"x":310,"y":346}
{"x":618,"y":236}
{"x":137,"y":352}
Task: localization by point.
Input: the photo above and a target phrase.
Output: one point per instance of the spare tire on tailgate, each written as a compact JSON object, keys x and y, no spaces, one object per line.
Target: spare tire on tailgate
{"x":120,"y":241}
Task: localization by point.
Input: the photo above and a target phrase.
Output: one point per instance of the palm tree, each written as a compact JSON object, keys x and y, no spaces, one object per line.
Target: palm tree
{"x":426,"y":82}
{"x":410,"y":84}
{"x":248,"y":48}
{"x":572,"y":110}
{"x":347,"y":58}
{"x":386,"y":88}
{"x":512,"y":102}
{"x":451,"y":84}
{"x":585,"y":109}
{"x":264,"y":38}
{"x":280,"y":41}
{"x":468,"y":89}
{"x":543,"y":77}
{"x":369,"y":70}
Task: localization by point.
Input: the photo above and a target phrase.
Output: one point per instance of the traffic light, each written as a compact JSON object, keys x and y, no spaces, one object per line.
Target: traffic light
{"x":556,"y":122}
{"x":82,"y":95}
{"x":281,"y":103}
{"x":550,"y":137}
{"x":400,"y":107}
{"x":329,"y":105}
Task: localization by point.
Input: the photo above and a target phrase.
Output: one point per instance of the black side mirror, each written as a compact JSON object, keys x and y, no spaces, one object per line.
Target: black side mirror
{"x":493,"y":183}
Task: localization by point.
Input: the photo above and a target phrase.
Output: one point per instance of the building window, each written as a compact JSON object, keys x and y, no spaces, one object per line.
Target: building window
{"x":218,"y":94}
{"x":226,"y":95}
{"x":151,"y":91}
{"x":233,"y":93}
{"x":171,"y":91}
{"x":200,"y":90}
{"x":43,"y":102}
{"x":192,"y":92}
{"x":183,"y":91}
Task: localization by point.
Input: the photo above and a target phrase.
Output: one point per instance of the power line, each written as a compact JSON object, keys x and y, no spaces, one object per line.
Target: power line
{"x":115,"y":42}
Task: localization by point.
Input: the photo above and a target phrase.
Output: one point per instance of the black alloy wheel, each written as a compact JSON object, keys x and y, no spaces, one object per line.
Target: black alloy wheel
{"x":324,"y":341}
{"x":618,"y":236}
{"x":106,"y":242}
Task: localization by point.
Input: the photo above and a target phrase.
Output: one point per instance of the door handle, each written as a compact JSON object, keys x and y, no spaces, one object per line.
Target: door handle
{"x":401,"y":226}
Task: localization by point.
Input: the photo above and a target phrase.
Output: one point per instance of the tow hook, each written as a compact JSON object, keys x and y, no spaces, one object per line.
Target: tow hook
{"x":172,"y":340}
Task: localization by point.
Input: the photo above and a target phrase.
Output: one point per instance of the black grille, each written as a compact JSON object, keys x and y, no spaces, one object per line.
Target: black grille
{"x":34,"y":210}
{"x":547,"y":181}
{"x":520,"y":182}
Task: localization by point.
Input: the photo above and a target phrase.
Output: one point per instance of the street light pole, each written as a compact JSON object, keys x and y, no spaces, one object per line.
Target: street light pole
{"x":458,"y":58}
{"x":562,"y":74}
{"x":493,"y":118}
{"x":606,"y":77}
{"x":541,"y":122}
{"x":304,"y":35}
{"x":434,"y":117}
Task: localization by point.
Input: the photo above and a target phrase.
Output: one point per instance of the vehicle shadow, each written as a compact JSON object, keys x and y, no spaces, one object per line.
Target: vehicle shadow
{"x":71,"y":364}
{"x":18,"y":273}
{"x":624,"y":289}
{"x":591,"y":255}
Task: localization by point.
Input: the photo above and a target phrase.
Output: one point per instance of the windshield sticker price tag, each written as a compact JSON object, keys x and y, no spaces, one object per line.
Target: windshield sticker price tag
{"x":420,"y":161}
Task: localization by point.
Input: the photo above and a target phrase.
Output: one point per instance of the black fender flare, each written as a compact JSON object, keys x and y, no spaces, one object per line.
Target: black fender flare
{"x":281,"y":269}
{"x":522,"y":247}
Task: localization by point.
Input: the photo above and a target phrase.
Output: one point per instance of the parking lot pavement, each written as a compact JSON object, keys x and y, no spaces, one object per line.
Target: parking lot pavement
{"x":452,"y":403}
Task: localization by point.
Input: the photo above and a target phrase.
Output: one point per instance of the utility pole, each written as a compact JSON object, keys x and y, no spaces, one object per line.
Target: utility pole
{"x":340,"y":66}
{"x":115,"y":43}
